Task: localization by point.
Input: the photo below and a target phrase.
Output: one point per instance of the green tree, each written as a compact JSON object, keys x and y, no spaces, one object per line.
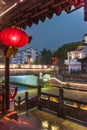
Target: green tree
{"x":46,"y":57}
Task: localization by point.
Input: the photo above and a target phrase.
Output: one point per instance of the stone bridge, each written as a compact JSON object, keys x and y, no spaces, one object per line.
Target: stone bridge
{"x":26,"y":69}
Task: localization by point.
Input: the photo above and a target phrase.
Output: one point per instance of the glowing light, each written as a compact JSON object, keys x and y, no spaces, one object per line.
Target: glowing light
{"x":55,"y":127}
{"x":45,"y":66}
{"x":21,"y":1}
{"x":8,"y":9}
{"x":45,"y":124}
{"x":2,"y":66}
{"x":14,"y":38}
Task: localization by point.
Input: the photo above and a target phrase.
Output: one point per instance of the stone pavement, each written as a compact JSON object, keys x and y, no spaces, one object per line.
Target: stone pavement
{"x":38,"y":120}
{"x":24,"y":122}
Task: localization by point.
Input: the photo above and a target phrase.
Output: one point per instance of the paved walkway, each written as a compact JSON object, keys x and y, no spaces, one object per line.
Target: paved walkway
{"x":51,"y":122}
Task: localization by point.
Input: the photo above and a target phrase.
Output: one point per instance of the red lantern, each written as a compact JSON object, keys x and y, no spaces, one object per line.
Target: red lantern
{"x":14,"y":37}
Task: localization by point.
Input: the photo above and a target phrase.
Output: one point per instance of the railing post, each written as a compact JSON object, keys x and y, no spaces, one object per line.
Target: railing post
{"x":78,"y":105}
{"x":61,"y":104}
{"x":19,"y":101}
{"x":38,"y":96}
{"x":40,"y":80}
{"x":3,"y":100}
{"x":26,"y":100}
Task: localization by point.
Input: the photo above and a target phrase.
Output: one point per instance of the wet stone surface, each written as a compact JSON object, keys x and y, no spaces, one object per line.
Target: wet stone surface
{"x":38,"y":120}
{"x":48,"y":121}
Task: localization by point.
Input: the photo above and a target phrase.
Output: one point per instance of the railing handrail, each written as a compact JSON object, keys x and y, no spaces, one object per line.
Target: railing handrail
{"x":63,"y":106}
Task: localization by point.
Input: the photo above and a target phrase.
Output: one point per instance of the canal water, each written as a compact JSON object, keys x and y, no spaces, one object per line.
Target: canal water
{"x":27,"y":82}
{"x":21,"y":88}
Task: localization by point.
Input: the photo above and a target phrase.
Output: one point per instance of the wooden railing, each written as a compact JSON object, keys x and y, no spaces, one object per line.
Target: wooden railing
{"x":63,"y":106}
{"x":26,"y":103}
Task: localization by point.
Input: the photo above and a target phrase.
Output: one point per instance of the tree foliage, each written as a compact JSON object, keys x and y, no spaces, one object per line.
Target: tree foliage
{"x":61,"y":52}
{"x":46,"y":57}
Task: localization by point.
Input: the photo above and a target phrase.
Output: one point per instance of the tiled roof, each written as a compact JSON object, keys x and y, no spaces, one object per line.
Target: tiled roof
{"x":27,"y":12}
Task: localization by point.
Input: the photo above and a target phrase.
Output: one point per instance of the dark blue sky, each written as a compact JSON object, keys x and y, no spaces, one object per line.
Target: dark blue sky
{"x":55,"y":32}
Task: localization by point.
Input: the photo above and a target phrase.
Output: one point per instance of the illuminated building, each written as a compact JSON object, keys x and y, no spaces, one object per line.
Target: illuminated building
{"x":23,"y":56}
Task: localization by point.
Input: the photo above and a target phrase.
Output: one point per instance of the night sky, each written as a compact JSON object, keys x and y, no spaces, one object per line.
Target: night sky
{"x":62,"y":29}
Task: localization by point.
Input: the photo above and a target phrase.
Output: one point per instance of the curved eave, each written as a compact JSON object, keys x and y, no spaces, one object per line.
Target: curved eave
{"x":30,"y":12}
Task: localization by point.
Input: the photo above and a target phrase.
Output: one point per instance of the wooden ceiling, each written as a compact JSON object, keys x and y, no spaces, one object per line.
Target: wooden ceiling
{"x":24,"y":13}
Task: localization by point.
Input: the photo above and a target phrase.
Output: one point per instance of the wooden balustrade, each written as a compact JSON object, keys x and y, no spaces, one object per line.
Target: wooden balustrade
{"x":62,"y":106}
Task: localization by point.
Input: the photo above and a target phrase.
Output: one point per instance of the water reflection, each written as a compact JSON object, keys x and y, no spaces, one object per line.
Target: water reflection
{"x":45,"y":125}
{"x":54,"y":127}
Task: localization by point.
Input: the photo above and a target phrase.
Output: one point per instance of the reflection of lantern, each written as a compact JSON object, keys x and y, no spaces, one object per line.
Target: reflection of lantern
{"x":14,"y":37}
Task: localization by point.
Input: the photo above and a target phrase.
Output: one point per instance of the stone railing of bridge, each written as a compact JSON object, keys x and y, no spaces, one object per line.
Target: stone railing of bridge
{"x":70,"y":85}
{"x":26,"y":69}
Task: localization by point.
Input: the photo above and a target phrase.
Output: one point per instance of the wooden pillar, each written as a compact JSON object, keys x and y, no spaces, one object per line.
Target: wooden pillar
{"x":39,"y":96}
{"x":19,"y":101}
{"x":39,"y":92}
{"x":26,"y":100}
{"x":61,"y":104}
{"x":7,"y":82}
{"x":85,"y":10}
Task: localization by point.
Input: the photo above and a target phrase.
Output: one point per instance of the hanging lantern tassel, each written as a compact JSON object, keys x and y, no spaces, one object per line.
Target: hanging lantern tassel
{"x":11,"y":51}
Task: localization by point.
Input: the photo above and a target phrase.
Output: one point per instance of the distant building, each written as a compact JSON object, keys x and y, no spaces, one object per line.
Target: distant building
{"x":77,"y":54}
{"x":74,"y":66}
{"x":29,"y":55}
{"x":77,"y":59}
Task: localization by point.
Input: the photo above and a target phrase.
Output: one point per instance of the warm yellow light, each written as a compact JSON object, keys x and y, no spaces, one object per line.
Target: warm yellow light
{"x":21,"y":0}
{"x":45,"y":124}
